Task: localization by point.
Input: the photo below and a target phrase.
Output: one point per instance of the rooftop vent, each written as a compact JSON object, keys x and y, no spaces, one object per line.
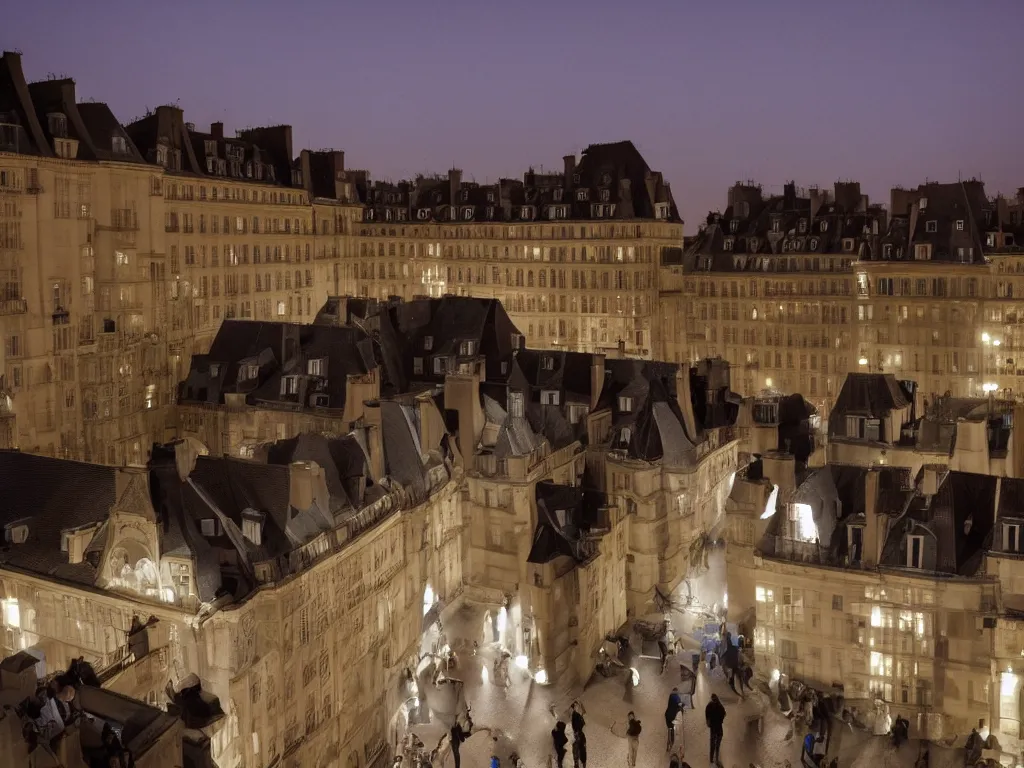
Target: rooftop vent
{"x":16,"y":532}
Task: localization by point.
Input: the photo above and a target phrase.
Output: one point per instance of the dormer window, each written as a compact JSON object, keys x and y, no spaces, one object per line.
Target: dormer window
{"x":931,"y":226}
{"x":823,"y":227}
{"x":625,"y":435}
{"x":526,"y":212}
{"x":848,"y":243}
{"x":625,"y":404}
{"x":734,"y":226}
{"x":558,"y":195}
{"x":517,"y":341}
{"x":727,"y":244}
{"x":369,"y":214}
{"x":802,"y":226}
{"x":504,"y":367}
{"x":440,"y":365}
{"x":250,"y":372}
{"x":575,"y":178}
{"x":582,"y":195}
{"x":119,"y":145}
{"x":515,"y":405}
{"x":490,"y":197}
{"x":959,"y":225}
{"x":549,"y":397}
{"x":417,"y":366}
{"x":210,"y":146}
{"x":465,"y":195}
{"x":576,"y":412}
{"x":252,"y":526}
{"x":915,"y":551}
{"x":58,"y":124}
{"x":16,"y":532}
{"x":606,"y":195}
{"x":316,"y":367}
{"x":548,"y":363}
{"x":467,"y":213}
{"x":776,"y":225}
{"x":467,"y":348}
{"x":423,"y":214}
{"x":1011,"y":537}
{"x":290,"y":385}
{"x":887,"y":251}
{"x":661,"y":211}
{"x":428,"y":343}
{"x":923,"y":205}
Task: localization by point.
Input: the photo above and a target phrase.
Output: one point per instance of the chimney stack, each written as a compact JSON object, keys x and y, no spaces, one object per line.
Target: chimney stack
{"x":873,"y":533}
{"x":570,"y":169}
{"x":217,"y":130}
{"x":455,"y":183}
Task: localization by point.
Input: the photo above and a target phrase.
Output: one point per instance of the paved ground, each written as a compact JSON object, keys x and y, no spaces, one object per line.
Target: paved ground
{"x":523,"y":720}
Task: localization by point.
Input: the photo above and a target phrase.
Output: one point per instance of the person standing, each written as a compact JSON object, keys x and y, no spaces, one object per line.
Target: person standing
{"x":559,"y":741}
{"x":714,"y":715}
{"x":633,"y":730}
{"x":579,"y":749}
{"x":675,"y":706}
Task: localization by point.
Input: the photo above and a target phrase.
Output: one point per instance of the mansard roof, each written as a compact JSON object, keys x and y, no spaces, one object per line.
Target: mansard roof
{"x":610,"y":182}
{"x":566,"y":515}
{"x":274,"y":351}
{"x":49,"y":496}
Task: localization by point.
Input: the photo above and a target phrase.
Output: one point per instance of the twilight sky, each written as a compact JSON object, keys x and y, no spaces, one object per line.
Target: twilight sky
{"x":885,"y":92}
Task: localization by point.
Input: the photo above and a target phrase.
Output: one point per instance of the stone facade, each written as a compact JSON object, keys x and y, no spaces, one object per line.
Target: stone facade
{"x":885,"y":564}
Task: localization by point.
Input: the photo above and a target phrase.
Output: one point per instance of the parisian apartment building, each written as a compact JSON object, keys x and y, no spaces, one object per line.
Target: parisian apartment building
{"x":124,"y":246}
{"x":339,"y":490}
{"x":797,"y":290}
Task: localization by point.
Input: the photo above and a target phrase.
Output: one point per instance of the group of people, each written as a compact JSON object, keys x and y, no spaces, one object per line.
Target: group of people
{"x":560,"y":739}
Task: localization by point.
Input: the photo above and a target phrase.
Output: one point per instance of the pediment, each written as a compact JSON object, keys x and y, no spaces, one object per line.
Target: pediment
{"x":134,"y":499}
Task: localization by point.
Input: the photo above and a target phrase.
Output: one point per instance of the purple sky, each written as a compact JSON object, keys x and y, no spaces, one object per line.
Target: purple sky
{"x":881,"y":91}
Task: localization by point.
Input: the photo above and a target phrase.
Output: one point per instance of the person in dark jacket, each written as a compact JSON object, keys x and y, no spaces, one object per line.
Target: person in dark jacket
{"x":675,"y":706}
{"x":456,"y":736}
{"x":579,"y":749}
{"x":633,"y":730}
{"x":559,"y":740}
{"x":576,"y":713}
{"x":714,"y":716}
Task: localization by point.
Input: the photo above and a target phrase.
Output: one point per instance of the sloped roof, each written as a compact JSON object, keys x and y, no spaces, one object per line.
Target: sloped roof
{"x":51,"y":496}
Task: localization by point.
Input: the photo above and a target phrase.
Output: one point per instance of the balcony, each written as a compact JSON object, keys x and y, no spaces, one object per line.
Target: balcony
{"x":13,"y":307}
{"x":124,"y":220}
{"x":782,"y":548}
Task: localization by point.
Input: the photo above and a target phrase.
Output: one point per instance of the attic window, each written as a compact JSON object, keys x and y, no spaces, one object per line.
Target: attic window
{"x":316,"y":367}
{"x":250,"y":372}
{"x":802,"y":226}
{"x":734,"y":226}
{"x":923,"y":205}
{"x":727,"y":244}
{"x":467,"y":348}
{"x":576,"y":412}
{"x":467,"y":213}
{"x":252,"y":528}
{"x":440,"y":365}
{"x":959,"y":225}
{"x":661,"y":211}
{"x":915,"y":551}
{"x":625,"y":434}
{"x":417,"y":365}
{"x":208,"y":526}
{"x":215,"y":370}
{"x":118,"y":145}
{"x":887,"y":251}
{"x":428,"y":343}
{"x":1011,"y":537}
{"x":582,"y":195}
{"x":515,"y":404}
{"x":549,"y":397}
{"x":290,"y":385}
{"x":548,"y":364}
{"x":504,"y":367}
{"x":848,"y":244}
{"x":626,"y":404}
{"x":517,"y":341}
{"x":931,"y":226}
{"x":490,"y":197}
{"x":423,"y":214}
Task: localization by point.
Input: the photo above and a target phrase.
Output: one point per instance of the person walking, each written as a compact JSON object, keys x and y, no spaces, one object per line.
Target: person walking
{"x":559,"y":740}
{"x":633,"y":730}
{"x":714,"y":716}
{"x":675,"y":706}
{"x":576,"y":713}
{"x":579,"y":749}
{"x":455,"y":738}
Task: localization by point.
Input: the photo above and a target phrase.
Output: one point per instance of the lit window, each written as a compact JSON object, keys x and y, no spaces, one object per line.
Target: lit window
{"x":11,"y":613}
{"x":876,"y":616}
{"x":280,"y":309}
{"x":626,"y":404}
